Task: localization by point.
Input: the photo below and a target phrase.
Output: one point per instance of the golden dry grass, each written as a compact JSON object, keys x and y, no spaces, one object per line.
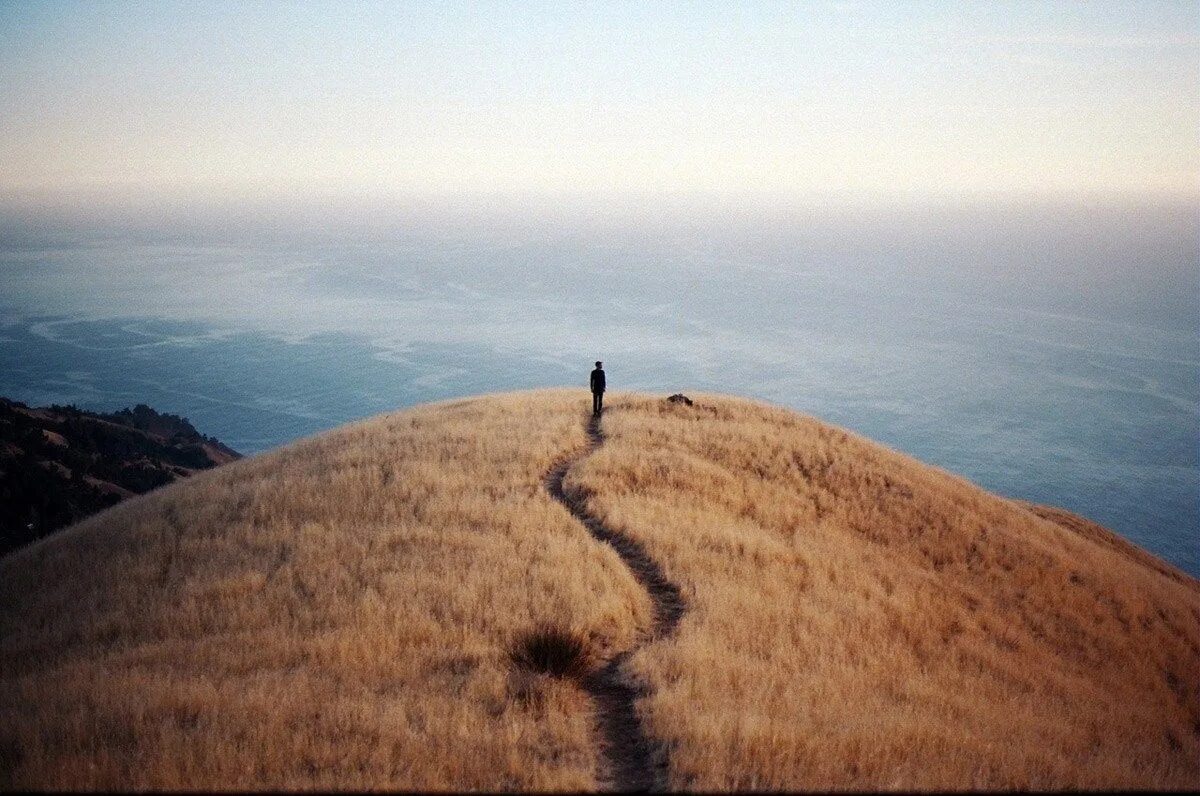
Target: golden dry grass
{"x":860,"y":620}
{"x":338,"y":613}
{"x":344,"y":612}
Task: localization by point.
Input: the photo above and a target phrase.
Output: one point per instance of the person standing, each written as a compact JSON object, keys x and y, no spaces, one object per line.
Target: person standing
{"x":598,"y":389}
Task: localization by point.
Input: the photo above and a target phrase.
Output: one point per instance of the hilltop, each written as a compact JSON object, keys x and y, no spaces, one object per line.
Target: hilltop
{"x":59,"y":464}
{"x":485,"y":593}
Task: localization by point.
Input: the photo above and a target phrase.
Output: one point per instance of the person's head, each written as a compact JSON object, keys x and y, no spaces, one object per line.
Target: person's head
{"x":599,"y":363}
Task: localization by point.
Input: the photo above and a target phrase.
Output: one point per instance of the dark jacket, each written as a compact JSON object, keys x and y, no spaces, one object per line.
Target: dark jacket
{"x":597,"y":380}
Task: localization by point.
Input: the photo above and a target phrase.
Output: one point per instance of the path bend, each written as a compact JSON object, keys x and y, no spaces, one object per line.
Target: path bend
{"x":631,"y":761}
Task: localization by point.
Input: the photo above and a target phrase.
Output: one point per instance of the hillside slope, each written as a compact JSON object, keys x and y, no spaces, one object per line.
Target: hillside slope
{"x":59,"y":464}
{"x":351,"y":611}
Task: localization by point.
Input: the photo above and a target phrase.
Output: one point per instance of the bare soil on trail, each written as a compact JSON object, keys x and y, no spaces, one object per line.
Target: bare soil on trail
{"x":631,"y":760}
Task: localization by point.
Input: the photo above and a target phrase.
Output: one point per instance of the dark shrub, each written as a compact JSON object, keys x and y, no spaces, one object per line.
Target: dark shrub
{"x":553,"y":651}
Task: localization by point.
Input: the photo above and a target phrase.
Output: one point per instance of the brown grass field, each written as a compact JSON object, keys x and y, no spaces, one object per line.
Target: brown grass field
{"x":348,"y":611}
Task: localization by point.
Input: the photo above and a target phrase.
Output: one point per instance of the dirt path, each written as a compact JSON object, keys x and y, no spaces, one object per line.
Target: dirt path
{"x":631,"y":761}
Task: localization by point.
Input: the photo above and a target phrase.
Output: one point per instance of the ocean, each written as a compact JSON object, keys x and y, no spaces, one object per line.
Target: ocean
{"x":1047,"y":354}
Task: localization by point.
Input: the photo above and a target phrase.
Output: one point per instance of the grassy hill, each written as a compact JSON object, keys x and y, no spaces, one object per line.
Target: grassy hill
{"x":420,"y":600}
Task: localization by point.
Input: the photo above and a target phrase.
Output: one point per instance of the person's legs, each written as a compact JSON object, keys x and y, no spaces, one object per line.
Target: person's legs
{"x":595,"y":403}
{"x":599,"y":403}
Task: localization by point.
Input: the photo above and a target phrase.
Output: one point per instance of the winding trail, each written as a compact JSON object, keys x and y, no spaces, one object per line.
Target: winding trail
{"x":631,"y":761}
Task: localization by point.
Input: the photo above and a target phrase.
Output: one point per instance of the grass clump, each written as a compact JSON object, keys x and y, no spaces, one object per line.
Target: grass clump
{"x":554,"y":651}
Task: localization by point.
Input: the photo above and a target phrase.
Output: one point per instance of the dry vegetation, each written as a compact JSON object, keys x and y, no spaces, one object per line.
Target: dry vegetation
{"x":337,"y":613}
{"x":860,"y":620}
{"x":369,"y":608}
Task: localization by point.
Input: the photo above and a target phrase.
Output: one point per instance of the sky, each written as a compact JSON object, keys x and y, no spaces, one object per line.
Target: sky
{"x":881,"y":100}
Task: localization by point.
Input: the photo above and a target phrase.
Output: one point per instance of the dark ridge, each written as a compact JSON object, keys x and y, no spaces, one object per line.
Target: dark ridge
{"x":59,"y":464}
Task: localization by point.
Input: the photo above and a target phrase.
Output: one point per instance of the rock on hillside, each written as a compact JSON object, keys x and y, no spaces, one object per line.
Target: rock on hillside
{"x":403,"y":603}
{"x":59,"y":464}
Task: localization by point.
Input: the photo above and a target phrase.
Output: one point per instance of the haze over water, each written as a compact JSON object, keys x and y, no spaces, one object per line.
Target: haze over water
{"x":1029,"y":348}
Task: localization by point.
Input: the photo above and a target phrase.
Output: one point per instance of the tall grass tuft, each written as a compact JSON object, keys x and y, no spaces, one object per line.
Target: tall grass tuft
{"x":554,"y":651}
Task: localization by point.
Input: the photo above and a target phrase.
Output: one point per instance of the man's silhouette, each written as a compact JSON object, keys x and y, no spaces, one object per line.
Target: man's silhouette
{"x":598,"y":389}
